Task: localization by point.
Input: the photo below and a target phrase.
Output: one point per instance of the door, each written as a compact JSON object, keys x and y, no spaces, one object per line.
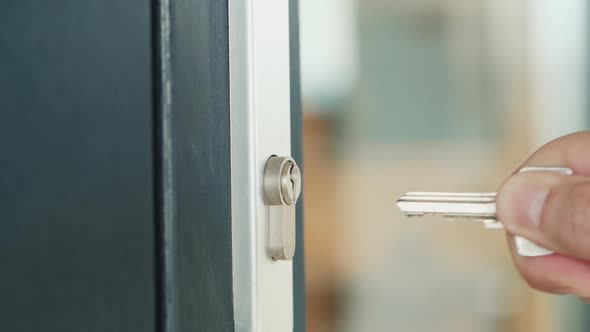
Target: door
{"x":76,"y":181}
{"x":120,"y":177}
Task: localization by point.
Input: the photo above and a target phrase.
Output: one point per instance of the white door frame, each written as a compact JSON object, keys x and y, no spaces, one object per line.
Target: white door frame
{"x":260,"y":127}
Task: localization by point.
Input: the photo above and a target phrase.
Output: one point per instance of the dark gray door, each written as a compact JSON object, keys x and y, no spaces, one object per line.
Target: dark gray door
{"x":115,"y":182}
{"x":77,"y":234}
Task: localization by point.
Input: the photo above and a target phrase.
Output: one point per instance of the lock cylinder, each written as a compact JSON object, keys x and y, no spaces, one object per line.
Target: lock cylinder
{"x":282,"y":187}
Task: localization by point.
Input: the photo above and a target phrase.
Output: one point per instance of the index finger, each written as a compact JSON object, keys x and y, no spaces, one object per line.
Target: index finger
{"x":571,"y":151}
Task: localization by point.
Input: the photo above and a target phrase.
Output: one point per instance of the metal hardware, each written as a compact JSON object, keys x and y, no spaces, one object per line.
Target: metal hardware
{"x":282,"y":186}
{"x":473,"y":206}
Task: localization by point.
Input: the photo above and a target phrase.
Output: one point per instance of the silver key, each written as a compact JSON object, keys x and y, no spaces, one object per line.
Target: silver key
{"x":473,"y":206}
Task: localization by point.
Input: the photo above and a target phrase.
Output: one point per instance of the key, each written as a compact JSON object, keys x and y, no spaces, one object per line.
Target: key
{"x":472,"y":206}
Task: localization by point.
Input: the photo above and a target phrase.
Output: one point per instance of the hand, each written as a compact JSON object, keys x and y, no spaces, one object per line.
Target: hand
{"x":552,"y":210}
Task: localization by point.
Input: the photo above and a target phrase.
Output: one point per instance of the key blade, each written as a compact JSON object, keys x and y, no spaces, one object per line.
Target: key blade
{"x":474,"y":206}
{"x":479,"y":206}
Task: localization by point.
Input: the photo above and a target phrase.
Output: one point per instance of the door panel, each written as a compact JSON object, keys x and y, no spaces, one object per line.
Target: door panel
{"x":194,"y":212}
{"x":115,"y":179}
{"x":76,"y":196}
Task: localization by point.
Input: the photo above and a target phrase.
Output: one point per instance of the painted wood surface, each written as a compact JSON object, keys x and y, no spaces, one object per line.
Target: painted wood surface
{"x":76,"y":177}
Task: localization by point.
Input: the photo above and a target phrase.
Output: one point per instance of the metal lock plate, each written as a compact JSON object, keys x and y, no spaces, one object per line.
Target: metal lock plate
{"x":282,"y":186}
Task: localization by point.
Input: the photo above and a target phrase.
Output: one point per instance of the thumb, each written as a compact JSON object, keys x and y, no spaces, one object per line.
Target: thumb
{"x":550,"y":209}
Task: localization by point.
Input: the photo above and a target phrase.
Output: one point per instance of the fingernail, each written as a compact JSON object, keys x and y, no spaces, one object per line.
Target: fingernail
{"x":530,"y":199}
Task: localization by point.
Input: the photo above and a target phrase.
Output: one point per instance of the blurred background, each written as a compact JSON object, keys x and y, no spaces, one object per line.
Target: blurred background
{"x":430,"y":95}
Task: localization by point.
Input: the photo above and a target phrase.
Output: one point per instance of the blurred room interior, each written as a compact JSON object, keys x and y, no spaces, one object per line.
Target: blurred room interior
{"x":429,"y":95}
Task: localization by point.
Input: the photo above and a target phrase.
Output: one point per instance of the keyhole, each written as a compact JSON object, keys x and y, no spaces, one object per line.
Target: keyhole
{"x":294,"y":177}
